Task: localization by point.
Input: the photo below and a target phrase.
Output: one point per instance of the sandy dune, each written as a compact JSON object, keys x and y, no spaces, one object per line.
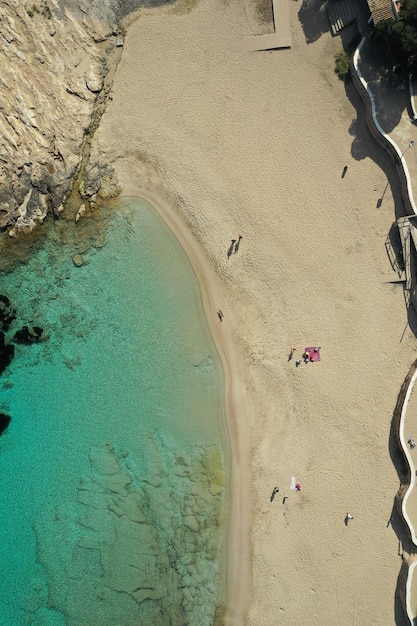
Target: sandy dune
{"x":255,"y":144}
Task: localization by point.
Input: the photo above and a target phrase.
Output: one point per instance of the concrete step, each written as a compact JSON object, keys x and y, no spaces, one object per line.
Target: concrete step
{"x":340,"y":14}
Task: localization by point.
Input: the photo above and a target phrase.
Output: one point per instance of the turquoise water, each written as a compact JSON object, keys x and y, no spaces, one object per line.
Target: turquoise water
{"x":114,"y":469}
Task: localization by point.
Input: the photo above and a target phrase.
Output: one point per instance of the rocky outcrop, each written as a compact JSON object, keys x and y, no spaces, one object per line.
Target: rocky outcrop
{"x":7,"y":313}
{"x":58,"y":59}
{"x":28,"y":335}
{"x":6,"y":353}
{"x":53,"y":59}
{"x":4,"y":422}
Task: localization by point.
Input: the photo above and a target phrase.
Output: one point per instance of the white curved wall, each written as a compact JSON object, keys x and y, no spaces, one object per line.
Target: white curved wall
{"x":378,"y":126}
{"x":402,"y":436}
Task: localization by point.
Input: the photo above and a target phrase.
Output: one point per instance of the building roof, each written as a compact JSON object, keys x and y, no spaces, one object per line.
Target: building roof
{"x":382,"y":10}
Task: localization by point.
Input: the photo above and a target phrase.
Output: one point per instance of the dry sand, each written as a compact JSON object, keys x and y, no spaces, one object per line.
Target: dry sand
{"x":227,"y":143}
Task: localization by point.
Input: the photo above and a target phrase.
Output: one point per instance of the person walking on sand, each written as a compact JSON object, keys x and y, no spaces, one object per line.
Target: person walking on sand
{"x":285,"y":498}
{"x":411,"y":443}
{"x":348,"y":518}
{"x":298,"y":362}
{"x":291,"y":354}
{"x":220,"y":315}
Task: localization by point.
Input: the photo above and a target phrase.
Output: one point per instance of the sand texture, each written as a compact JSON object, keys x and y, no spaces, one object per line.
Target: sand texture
{"x":226,"y":142}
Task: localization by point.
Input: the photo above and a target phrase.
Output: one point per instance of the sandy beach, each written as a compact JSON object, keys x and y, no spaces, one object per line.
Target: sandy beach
{"x":226,"y":143}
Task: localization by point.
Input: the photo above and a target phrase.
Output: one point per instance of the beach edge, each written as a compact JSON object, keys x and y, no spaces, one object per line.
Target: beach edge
{"x":238,"y":532}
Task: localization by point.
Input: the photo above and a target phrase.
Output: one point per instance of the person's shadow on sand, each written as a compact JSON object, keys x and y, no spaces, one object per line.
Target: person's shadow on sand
{"x":274,"y":493}
{"x":238,"y":244}
{"x":231,"y":248}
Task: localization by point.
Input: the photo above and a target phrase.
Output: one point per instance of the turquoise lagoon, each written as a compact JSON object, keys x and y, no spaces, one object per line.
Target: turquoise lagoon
{"x":114,"y":468}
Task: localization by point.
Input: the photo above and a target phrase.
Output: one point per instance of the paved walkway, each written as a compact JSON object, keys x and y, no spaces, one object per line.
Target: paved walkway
{"x":410,"y":431}
{"x":407,"y":425}
{"x":410,"y":505}
{"x":394,"y":117}
{"x":392,"y":98}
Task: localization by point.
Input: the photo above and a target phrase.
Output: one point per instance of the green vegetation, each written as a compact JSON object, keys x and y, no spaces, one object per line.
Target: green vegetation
{"x":342,"y":58}
{"x":46,"y":11}
{"x":31,"y":12}
{"x":342,"y":68}
{"x":398,"y":40}
{"x":43,"y":10}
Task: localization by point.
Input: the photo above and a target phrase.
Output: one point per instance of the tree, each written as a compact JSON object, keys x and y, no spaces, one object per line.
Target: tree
{"x":398,"y":40}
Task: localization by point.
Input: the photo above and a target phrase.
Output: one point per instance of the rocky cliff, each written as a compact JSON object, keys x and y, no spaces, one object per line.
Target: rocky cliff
{"x":56,"y":61}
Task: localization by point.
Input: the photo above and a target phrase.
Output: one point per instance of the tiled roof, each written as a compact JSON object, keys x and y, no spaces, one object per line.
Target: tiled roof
{"x":381,"y":10}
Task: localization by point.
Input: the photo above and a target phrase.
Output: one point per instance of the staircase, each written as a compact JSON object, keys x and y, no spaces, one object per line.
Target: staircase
{"x":340,"y":14}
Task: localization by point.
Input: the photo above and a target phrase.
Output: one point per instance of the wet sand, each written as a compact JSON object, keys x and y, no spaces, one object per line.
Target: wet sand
{"x":225,"y":142}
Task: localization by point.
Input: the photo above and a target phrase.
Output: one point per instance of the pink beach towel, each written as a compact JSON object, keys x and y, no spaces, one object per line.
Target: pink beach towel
{"x":314,"y":353}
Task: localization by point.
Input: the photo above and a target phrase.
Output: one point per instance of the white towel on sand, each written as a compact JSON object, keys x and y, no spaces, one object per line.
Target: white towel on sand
{"x":292,"y":484}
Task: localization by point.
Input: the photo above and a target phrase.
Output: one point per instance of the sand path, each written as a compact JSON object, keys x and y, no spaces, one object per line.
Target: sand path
{"x":255,"y":143}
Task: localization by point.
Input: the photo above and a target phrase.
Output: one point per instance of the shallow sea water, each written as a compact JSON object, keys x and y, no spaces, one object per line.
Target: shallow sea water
{"x":114,"y":468}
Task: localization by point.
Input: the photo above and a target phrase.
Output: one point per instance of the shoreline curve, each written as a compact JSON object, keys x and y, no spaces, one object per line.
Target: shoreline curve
{"x":237,"y":562}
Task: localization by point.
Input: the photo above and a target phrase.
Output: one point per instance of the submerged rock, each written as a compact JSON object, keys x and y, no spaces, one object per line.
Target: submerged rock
{"x":7,"y":313}
{"x":28,"y":335}
{"x":6,"y":353}
{"x":78,"y":260}
{"x":4,"y":422}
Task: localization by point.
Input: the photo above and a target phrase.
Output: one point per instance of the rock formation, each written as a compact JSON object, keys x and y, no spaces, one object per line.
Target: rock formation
{"x":7,"y":313}
{"x":25,"y":335}
{"x":53,"y":58}
{"x":6,"y":353}
{"x":4,"y":422}
{"x":28,"y":335}
{"x":58,"y":59}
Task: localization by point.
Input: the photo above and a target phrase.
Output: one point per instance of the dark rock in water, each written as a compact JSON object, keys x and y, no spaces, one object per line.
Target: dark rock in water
{"x":28,"y":335}
{"x":4,"y":422}
{"x":7,"y":313}
{"x":6,"y":353}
